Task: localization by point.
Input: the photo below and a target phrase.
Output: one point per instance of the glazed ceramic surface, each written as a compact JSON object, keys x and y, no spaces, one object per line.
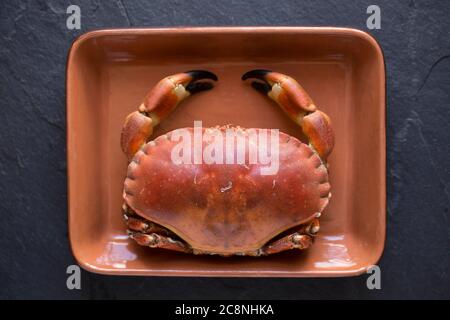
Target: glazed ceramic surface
{"x":110,"y":71}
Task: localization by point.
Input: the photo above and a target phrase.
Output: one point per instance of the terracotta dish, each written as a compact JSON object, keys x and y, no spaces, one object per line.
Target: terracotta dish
{"x":108,"y":73}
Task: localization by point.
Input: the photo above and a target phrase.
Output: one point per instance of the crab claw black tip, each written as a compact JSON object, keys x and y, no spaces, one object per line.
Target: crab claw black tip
{"x":261,"y":87}
{"x":195,"y":87}
{"x":201,"y":75}
{"x":257,"y":74}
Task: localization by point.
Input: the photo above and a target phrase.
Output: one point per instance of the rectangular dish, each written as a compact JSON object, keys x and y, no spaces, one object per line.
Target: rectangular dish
{"x":109,"y":73}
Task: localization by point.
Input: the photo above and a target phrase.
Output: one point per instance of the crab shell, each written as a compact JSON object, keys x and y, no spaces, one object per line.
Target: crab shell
{"x":226,"y":208}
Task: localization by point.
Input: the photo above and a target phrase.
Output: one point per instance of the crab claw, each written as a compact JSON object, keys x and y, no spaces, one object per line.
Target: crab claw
{"x":157,"y":105}
{"x":291,"y":97}
{"x":298,"y":105}
{"x":170,"y":91}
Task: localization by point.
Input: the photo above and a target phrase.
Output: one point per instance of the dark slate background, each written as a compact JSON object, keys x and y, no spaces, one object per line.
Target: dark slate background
{"x":34,"y":41}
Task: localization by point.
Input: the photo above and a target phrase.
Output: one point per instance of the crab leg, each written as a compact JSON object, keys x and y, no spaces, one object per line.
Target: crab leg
{"x":301,"y":239}
{"x":139,"y":225}
{"x":294,"y":241}
{"x":149,"y":234}
{"x":298,"y":105}
{"x":158,"y":104}
{"x":155,"y":240}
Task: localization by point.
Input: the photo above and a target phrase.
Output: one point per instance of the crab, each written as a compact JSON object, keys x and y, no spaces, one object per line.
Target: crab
{"x":225,"y":209}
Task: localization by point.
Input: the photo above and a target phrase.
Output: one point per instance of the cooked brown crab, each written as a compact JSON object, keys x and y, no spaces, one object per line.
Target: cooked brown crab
{"x":225,"y":209}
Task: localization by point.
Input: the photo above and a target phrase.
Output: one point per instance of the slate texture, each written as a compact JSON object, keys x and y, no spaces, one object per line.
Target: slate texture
{"x":34,"y":42}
